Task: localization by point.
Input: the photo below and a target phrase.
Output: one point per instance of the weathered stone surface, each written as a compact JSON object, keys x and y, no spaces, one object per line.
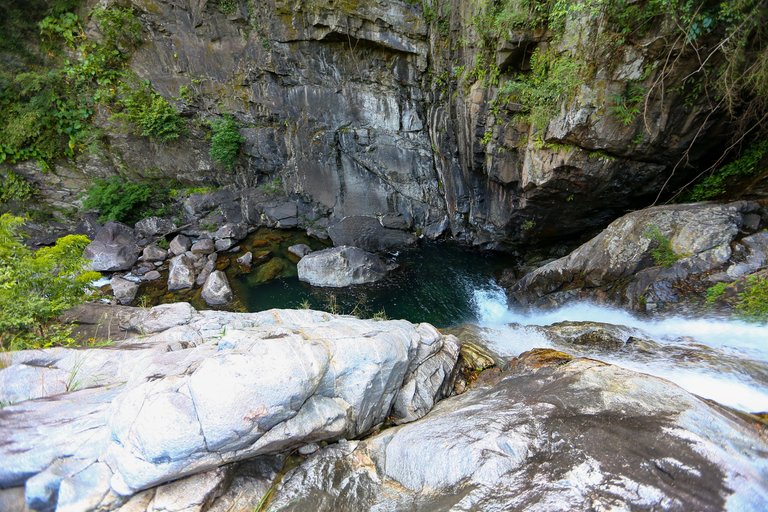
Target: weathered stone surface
{"x":179,"y":245}
{"x":368,"y":234}
{"x":203,"y":246}
{"x":123,"y":290}
{"x":618,"y":264}
{"x":216,"y":290}
{"x":113,"y":248}
{"x":247,"y":385}
{"x":299,"y":250}
{"x":152,"y":275}
{"x":246,"y":259}
{"x":181,"y":273}
{"x":341,"y":266}
{"x":153,"y":226}
{"x":553,"y":434}
{"x":21,"y":382}
{"x":153,"y":253}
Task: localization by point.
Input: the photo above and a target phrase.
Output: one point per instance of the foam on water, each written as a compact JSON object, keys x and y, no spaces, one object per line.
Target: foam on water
{"x":741,"y":344}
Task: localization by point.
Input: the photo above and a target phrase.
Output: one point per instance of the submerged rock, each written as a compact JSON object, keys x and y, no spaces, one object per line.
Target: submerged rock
{"x":113,"y":248}
{"x":341,"y":266}
{"x":244,"y":385}
{"x":555,"y":433}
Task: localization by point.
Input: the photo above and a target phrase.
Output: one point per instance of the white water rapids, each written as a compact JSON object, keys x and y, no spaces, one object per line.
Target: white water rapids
{"x":723,"y":360}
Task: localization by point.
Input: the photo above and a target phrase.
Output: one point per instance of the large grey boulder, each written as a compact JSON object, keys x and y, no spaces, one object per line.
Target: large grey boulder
{"x":216,"y":290}
{"x":113,"y":248}
{"x":341,"y":266}
{"x":369,"y":234}
{"x":153,"y":226}
{"x":552,"y":434}
{"x":619,"y":265}
{"x":201,"y":389}
{"x":181,"y":273}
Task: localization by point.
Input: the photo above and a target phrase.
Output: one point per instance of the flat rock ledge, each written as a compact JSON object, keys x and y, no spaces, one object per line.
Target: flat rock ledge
{"x":195,"y":390}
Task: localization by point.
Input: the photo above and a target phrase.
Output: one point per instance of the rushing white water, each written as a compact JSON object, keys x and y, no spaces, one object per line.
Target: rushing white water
{"x":724,"y":360}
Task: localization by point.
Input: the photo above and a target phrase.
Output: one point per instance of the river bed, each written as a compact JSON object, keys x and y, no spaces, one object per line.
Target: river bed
{"x":449,"y":285}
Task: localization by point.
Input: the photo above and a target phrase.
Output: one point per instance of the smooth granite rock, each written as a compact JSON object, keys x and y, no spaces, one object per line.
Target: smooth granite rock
{"x":341,"y":266}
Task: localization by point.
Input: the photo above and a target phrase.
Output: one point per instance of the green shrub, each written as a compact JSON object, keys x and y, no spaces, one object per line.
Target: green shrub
{"x":48,"y":102}
{"x":626,"y":106}
{"x":36,"y":287}
{"x":226,"y":141}
{"x":153,"y":115}
{"x":552,"y":80}
{"x":715,"y":184}
{"x":662,"y":252}
{"x":14,"y":188}
{"x":116,"y":199}
{"x":752,"y":303}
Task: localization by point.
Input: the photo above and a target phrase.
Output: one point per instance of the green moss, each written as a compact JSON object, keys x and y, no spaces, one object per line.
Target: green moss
{"x":554,"y":78}
{"x":226,"y":141}
{"x":662,"y":252}
{"x":751,"y":163}
{"x":715,"y":292}
{"x":752,"y":303}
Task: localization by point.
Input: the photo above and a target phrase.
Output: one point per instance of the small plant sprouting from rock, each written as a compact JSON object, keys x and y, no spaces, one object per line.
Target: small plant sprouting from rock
{"x":715,"y":292}
{"x":662,"y":253}
{"x":626,"y":106}
{"x":226,"y":141}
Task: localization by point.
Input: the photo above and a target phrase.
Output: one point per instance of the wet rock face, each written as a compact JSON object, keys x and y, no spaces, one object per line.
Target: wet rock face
{"x":232,"y":386}
{"x":625,"y":264}
{"x":554,"y":434}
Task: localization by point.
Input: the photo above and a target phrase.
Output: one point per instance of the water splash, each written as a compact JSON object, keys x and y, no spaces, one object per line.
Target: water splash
{"x":724,"y":360}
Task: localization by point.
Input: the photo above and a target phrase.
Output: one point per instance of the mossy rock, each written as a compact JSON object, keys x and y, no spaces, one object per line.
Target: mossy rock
{"x":268,"y":271}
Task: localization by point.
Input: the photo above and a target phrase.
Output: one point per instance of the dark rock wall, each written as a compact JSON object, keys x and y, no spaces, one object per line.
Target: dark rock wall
{"x":358,"y":107}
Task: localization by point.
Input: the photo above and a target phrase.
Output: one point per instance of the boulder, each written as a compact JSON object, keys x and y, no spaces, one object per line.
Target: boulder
{"x":153,"y":253}
{"x":341,"y":266}
{"x":179,"y":245}
{"x":216,"y":290}
{"x":124,"y":290}
{"x":234,"y":231}
{"x":628,"y":264}
{"x":153,"y":226}
{"x":554,"y":433}
{"x":181,"y":273}
{"x":113,"y":248}
{"x":299,"y":250}
{"x":203,"y":246}
{"x":249,"y":385}
{"x":222,"y":244}
{"x":283,"y":215}
{"x":246,"y":259}
{"x":152,"y":275}
{"x":368,"y":233}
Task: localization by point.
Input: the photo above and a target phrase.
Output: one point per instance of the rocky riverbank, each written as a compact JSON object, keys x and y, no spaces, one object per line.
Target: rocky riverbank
{"x":311,"y":411}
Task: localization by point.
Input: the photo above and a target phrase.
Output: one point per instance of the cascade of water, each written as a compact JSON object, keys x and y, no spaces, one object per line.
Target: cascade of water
{"x":725,"y":360}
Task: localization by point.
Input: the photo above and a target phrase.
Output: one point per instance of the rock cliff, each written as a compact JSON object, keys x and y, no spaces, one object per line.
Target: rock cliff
{"x":406,"y":112}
